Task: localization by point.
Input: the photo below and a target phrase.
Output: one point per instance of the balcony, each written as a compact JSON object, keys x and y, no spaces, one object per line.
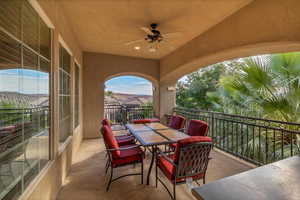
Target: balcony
{"x":87,"y":179}
{"x":89,"y":169}
{"x":57,"y":55}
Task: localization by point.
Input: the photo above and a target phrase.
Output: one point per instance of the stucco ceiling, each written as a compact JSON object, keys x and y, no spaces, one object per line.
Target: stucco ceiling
{"x":106,"y":25}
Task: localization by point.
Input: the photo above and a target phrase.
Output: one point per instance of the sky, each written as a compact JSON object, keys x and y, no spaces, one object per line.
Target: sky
{"x":129,"y":85}
{"x":24,"y":81}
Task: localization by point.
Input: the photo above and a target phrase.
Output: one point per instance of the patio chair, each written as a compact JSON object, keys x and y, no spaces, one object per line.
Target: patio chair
{"x":121,"y":155}
{"x":190,"y":160}
{"x":195,"y":128}
{"x":177,"y":122}
{"x":125,"y":139}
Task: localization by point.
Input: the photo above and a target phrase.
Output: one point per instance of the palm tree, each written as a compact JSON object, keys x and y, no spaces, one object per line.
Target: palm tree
{"x":268,"y":86}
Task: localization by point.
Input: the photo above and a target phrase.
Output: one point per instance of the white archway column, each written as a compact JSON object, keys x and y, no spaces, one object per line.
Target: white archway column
{"x":167,"y":101}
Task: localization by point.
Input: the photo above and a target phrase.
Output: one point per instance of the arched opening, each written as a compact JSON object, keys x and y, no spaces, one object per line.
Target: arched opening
{"x":128,"y":97}
{"x":247,"y":101}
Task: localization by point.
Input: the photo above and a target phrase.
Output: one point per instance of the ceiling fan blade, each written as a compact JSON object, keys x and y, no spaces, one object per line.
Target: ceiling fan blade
{"x":134,"y":42}
{"x":147,"y":30}
{"x":172,"y":35}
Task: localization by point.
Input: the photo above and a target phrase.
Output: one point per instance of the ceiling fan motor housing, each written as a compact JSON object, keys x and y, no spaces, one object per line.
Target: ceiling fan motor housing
{"x":156,"y":36}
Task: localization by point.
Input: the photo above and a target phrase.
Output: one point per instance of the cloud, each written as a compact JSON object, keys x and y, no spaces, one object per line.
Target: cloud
{"x":24,"y":81}
{"x":129,"y":85}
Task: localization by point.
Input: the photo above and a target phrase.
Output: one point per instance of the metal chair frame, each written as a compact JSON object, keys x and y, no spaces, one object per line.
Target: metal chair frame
{"x":107,"y":165}
{"x":110,"y":159}
{"x":182,"y":170}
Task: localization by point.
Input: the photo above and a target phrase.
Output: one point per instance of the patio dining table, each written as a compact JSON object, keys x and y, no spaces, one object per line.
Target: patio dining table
{"x":152,"y":135}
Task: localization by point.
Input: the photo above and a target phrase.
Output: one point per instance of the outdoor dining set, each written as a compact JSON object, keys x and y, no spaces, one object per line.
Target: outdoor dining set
{"x":181,"y":154}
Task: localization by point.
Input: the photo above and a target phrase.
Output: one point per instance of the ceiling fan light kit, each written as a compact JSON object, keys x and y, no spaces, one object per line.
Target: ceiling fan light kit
{"x":153,"y":38}
{"x":137,"y":47}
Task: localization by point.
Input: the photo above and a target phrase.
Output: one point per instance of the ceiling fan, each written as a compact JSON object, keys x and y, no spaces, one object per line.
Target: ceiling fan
{"x":153,"y":37}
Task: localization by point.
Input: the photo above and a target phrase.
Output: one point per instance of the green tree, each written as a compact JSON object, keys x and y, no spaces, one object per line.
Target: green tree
{"x":267,"y":87}
{"x":192,"y":92}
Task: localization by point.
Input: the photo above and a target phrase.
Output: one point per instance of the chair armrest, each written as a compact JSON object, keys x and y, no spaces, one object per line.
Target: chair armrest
{"x":166,"y":157}
{"x":182,"y":130}
{"x":124,"y":148}
{"x":126,"y":136}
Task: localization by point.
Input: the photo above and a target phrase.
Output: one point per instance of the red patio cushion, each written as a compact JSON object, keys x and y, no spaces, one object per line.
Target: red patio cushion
{"x":145,"y":121}
{"x":197,"y":128}
{"x":169,"y":169}
{"x":110,"y":140}
{"x":128,"y":156}
{"x":177,"y":122}
{"x":152,"y":120}
{"x":187,"y":141}
{"x":124,"y":140}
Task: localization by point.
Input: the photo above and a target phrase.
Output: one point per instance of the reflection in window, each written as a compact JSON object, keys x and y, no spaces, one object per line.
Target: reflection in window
{"x":25,"y":71}
{"x":64,"y":95}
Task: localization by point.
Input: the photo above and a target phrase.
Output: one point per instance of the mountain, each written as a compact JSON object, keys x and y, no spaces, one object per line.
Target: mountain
{"x":119,"y":98}
{"x":28,"y":100}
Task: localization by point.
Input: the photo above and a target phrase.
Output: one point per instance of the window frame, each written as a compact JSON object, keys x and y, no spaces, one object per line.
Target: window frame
{"x":63,"y":45}
{"x":76,"y":93}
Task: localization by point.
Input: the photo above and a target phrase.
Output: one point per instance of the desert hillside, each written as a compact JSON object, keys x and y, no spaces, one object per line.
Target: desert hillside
{"x":27,"y":100}
{"x":118,"y":98}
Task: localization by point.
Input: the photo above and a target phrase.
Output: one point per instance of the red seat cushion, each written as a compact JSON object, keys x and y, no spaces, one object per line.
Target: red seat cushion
{"x":127,"y":140}
{"x":110,"y":140}
{"x":152,"y":120}
{"x":177,"y":122}
{"x":169,"y":169}
{"x":128,"y":156}
{"x":197,"y":128}
{"x":145,"y":121}
{"x":140,"y":121}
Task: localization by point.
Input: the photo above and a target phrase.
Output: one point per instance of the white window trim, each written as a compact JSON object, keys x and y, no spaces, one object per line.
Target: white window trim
{"x":77,"y":63}
{"x":64,"y":44}
{"x":35,"y":4}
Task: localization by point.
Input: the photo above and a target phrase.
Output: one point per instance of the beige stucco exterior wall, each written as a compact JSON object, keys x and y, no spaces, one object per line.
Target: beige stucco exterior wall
{"x":167,"y":99}
{"x":101,"y":67}
{"x":264,"y":26}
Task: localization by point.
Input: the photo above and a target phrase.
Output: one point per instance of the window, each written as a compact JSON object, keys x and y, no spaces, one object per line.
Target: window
{"x":64,"y":94}
{"x":76,"y":93}
{"x":25,"y":74}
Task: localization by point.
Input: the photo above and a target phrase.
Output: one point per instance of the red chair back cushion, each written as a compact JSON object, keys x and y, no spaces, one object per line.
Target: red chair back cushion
{"x":197,"y":128}
{"x":177,"y":122}
{"x":140,"y":121}
{"x":145,"y":121}
{"x":187,"y":141}
{"x":110,"y":140}
{"x":105,"y":122}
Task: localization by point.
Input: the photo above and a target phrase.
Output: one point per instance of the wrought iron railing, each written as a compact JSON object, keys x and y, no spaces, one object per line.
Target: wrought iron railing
{"x":256,"y":140}
{"x":121,"y":114}
{"x":17,"y":125}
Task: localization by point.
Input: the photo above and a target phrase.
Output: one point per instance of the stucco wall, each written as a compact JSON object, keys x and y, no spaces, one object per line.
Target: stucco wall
{"x":100,"y":67}
{"x":264,"y":26}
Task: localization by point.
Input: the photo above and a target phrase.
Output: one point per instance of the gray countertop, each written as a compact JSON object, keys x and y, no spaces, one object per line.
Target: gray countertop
{"x":276,"y":181}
